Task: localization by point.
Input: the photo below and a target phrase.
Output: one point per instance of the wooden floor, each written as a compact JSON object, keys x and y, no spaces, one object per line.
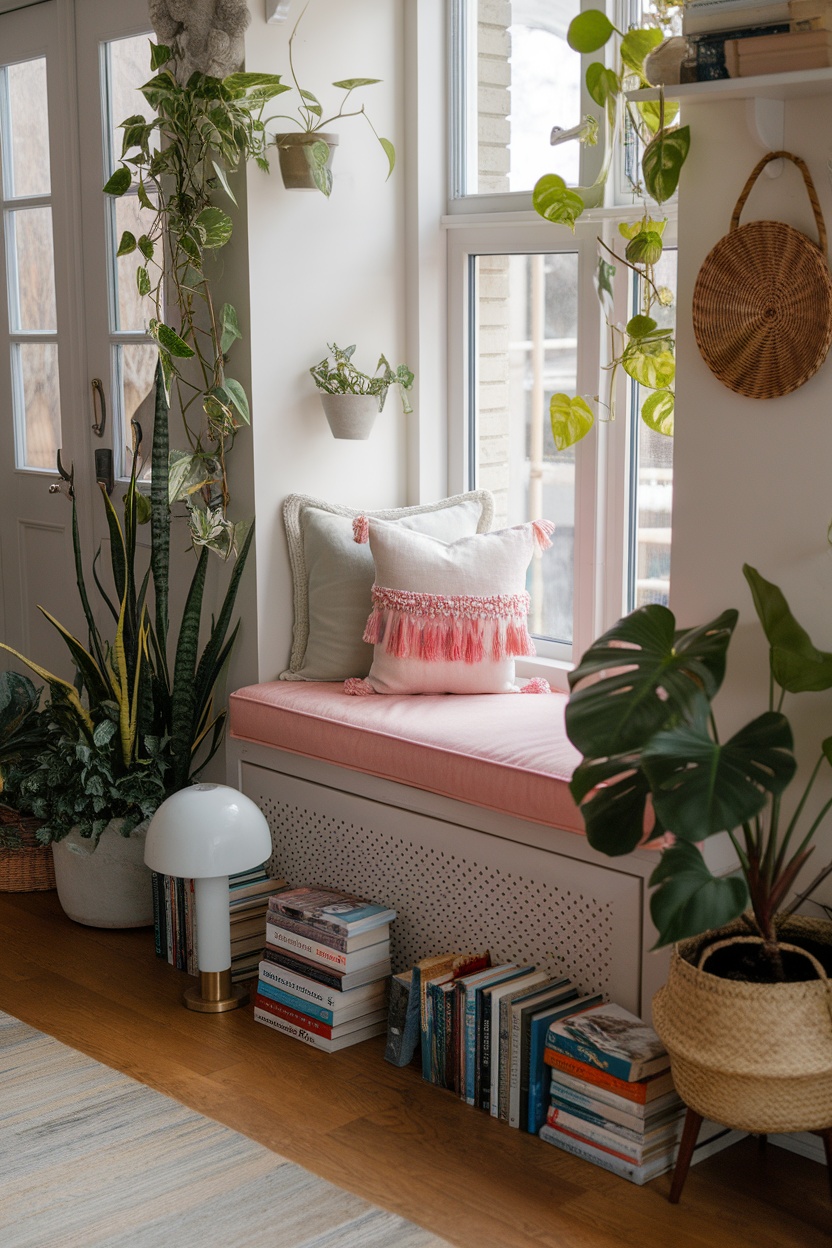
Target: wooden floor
{"x":374,"y":1129}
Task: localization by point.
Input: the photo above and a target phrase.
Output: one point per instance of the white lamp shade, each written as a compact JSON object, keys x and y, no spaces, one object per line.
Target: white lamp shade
{"x":207,"y":830}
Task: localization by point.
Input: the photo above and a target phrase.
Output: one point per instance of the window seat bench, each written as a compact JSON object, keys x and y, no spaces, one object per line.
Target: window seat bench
{"x":457,"y":812}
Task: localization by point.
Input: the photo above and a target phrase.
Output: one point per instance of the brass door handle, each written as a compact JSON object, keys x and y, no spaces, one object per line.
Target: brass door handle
{"x":98,"y":425}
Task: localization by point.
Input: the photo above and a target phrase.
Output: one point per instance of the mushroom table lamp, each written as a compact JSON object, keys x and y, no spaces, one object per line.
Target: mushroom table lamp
{"x":206,"y":833}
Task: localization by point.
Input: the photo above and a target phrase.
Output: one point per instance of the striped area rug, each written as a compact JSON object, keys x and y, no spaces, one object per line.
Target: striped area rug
{"x":89,"y":1157}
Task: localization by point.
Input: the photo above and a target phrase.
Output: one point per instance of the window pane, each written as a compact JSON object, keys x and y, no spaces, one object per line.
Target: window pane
{"x":32,"y":270}
{"x":525,"y":322}
{"x":134,"y":310}
{"x":653,"y":481}
{"x":28,"y":129}
{"x":522,"y":79}
{"x":135,"y":373}
{"x":35,"y":374}
{"x":128,"y":68}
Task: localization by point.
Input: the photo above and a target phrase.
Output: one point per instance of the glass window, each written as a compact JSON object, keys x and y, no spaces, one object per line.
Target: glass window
{"x":30,"y":263}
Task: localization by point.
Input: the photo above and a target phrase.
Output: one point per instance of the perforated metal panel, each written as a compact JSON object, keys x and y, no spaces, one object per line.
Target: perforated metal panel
{"x":454,"y":887}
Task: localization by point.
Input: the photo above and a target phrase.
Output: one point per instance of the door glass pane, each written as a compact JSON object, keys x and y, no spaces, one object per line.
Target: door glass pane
{"x":522,"y":78}
{"x":32,"y":270}
{"x":134,"y":310}
{"x":28,"y":129}
{"x":652,"y":485}
{"x":127,"y":68}
{"x":525,"y":349}
{"x":135,"y":376}
{"x":35,"y":373}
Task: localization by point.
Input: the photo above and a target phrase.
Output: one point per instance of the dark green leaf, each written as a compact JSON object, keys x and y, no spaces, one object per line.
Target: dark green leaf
{"x":589,"y":31}
{"x":170,"y":340}
{"x":146,"y":247}
{"x":701,"y":788}
{"x":689,"y":900}
{"x":160,"y":54}
{"x":642,"y":675}
{"x":557,"y":202}
{"x":616,"y":810}
{"x":144,"y":198}
{"x":119,"y":182}
{"x":662,"y":162}
{"x":657,"y":412}
{"x":143,"y":280}
{"x":127,"y":244}
{"x":216,"y":226}
{"x":796,"y":663}
{"x":640,"y":326}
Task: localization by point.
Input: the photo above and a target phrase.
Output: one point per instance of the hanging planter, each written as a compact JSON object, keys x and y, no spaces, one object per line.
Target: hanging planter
{"x":301,"y":167}
{"x":350,"y":415}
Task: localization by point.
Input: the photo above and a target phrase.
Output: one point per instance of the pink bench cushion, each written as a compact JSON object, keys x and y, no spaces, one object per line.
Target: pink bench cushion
{"x":506,"y":752}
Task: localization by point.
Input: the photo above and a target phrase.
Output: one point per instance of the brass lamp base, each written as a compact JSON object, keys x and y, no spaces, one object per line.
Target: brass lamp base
{"x":215,"y":994}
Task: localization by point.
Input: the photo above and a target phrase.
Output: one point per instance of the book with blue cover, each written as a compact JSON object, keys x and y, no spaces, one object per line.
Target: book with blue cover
{"x":535,"y":1076}
{"x":330,"y":908}
{"x":610,"y":1038}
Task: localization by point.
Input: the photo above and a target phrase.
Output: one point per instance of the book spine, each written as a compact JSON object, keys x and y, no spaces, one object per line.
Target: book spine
{"x":622,"y":1140}
{"x":609,"y":1063}
{"x":276,"y":935}
{"x":450,"y":1041}
{"x":157,"y":915}
{"x":597,"y":1109}
{"x":538,"y":1082}
{"x":505,"y":1060}
{"x":322,"y":974}
{"x":438,"y":1058}
{"x":293,"y":1002}
{"x":485,"y":1057}
{"x":291,"y":1029}
{"x":397,"y":1006}
{"x":624,"y":1169}
{"x":296,"y":984}
{"x":297,"y":1017}
{"x":623,"y":1150}
{"x":170,"y":917}
{"x":338,"y":941}
{"x":631,"y":1091}
{"x":470,"y":1046}
{"x":514,"y":1075}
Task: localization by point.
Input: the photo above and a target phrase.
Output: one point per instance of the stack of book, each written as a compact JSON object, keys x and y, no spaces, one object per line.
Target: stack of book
{"x":174,"y":910}
{"x":612,"y":1099}
{"x":481,"y":1030}
{"x":711,"y":25}
{"x":779,"y":53}
{"x":325,"y":967}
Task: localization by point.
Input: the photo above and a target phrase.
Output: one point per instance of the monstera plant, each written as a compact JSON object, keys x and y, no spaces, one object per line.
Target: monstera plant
{"x":653,"y":763}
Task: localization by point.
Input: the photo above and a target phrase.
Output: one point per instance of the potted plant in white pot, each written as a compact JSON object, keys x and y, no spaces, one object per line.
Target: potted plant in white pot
{"x":745,"y":1014}
{"x":305,"y":154}
{"x":351,"y":399}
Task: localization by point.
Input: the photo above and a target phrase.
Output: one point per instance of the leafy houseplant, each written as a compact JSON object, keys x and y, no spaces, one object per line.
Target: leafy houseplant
{"x":640,"y":714}
{"x":643,"y":348}
{"x":306,"y":155}
{"x":351,"y":399}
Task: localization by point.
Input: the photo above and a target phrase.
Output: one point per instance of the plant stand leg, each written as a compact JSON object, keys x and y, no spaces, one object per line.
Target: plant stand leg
{"x":693,"y":1122}
{"x":762,"y":1140}
{"x":826,"y":1136}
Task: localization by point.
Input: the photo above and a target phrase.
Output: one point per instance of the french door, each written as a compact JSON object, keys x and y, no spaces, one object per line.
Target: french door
{"x":75,"y":363}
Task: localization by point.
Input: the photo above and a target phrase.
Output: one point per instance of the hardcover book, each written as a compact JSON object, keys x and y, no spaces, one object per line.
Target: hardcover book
{"x":325,"y":954}
{"x":611,"y":1039}
{"x":342,"y":981}
{"x":309,"y":1037}
{"x":642,"y":1090}
{"x":325,"y":1015}
{"x":328,"y":935}
{"x":327,"y":907}
{"x":313,"y":989}
{"x":639,"y":1174}
{"x":578,"y":1097}
{"x":330,"y":1031}
{"x":534,"y":1073}
{"x":562,"y":993}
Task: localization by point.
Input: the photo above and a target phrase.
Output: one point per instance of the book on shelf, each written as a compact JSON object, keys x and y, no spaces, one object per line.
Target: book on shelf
{"x":712,"y":16}
{"x":247,"y":944}
{"x":313,"y":990}
{"x":329,"y":936}
{"x":562,"y":994}
{"x":551,"y":984}
{"x":344,"y":1013}
{"x":257,"y":902}
{"x":330,"y":1031}
{"x":330,"y":908}
{"x":635,"y":1172}
{"x":491,"y":1055}
{"x":465,"y":1008}
{"x":279,"y":937}
{"x":708,"y":51}
{"x":341,"y":981}
{"x":482,"y":1027}
{"x":612,"y":1039}
{"x":308,"y":1037}
{"x":778,"y":53}
{"x":642,"y":1090}
{"x":248,"y":924}
{"x":534,"y":1073}
{"x":577,"y":1097}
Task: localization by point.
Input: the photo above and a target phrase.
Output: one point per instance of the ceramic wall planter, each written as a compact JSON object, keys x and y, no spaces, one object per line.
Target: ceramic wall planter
{"x":754,"y":1057}
{"x":350,"y":415}
{"x":294,"y":167}
{"x":106,"y":887}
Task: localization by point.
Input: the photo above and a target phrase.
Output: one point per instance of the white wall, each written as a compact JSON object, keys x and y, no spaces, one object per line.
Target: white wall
{"x":323,"y":271}
{"x":752,"y":478}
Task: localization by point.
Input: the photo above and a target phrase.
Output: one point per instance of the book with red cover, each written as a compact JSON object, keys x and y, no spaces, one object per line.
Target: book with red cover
{"x":329,"y":1032}
{"x":642,"y":1090}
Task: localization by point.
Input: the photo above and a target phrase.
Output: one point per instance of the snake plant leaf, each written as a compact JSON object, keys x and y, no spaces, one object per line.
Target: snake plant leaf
{"x":641,"y":676}
{"x":571,"y":420}
{"x":63,"y":688}
{"x":160,"y":515}
{"x":662,"y":162}
{"x":688,"y":899}
{"x":637,"y":45}
{"x":317,"y":156}
{"x":589,"y":31}
{"x":557,"y":202}
{"x":657,"y":412}
{"x":184,"y":693}
{"x":796,"y":663}
{"x":119,"y":182}
{"x":95,"y":679}
{"x":612,"y":795}
{"x":650,"y":362}
{"x":701,"y":787}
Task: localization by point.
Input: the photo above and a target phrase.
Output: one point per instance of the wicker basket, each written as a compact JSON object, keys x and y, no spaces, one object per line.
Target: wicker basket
{"x":28,"y":866}
{"x":754,"y":1057}
{"x":762,"y":303}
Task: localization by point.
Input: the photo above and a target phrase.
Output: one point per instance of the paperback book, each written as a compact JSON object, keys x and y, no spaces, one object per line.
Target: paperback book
{"x":578,"y":1097}
{"x":355,"y":960}
{"x":351,"y":1009}
{"x":312,"y":989}
{"x":641,"y":1091}
{"x":534,"y":1073}
{"x":330,"y":1031}
{"x":635,"y":1172}
{"x":308,"y":1037}
{"x":341,"y":981}
{"x":329,"y":908}
{"x":611,"y":1039}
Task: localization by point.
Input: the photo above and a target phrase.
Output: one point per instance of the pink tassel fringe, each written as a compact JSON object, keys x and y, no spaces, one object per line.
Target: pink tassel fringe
{"x":358,"y":687}
{"x":361,"y":530}
{"x":543,"y":530}
{"x":536,"y":685}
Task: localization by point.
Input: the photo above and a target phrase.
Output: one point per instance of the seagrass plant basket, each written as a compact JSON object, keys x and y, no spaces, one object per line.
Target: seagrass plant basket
{"x":26,"y":866}
{"x":754,"y":1057}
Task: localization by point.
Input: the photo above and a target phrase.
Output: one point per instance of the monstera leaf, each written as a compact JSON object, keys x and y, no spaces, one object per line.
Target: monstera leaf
{"x":645,"y":675}
{"x":796,"y":663}
{"x":688,"y":899}
{"x":612,"y":794}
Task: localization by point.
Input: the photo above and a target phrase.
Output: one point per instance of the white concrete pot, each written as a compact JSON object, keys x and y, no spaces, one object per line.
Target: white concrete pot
{"x":108,"y":886}
{"x":350,"y":415}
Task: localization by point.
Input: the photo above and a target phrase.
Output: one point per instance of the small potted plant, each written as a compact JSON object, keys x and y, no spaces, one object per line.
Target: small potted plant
{"x":352,"y":399}
{"x":305,"y":155}
{"x":744,"y":1014}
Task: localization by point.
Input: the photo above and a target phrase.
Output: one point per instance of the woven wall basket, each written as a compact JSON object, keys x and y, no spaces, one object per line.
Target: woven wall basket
{"x":762,"y":303}
{"x":755,"y":1057}
{"x":26,"y":867}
